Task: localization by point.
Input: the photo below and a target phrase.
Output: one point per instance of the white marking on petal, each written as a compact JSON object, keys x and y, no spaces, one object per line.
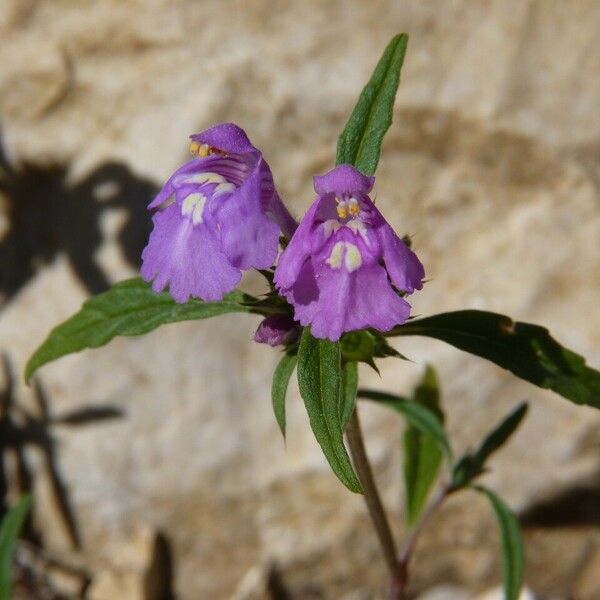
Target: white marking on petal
{"x":200,"y":178}
{"x":358,"y":227}
{"x":194,"y":205}
{"x":188,"y":204}
{"x":353,"y":258}
{"x":335,"y":258}
{"x":330,"y":226}
{"x":198,"y":210}
{"x":223,"y":188}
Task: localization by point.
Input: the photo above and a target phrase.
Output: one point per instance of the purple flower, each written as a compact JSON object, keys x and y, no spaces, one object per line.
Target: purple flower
{"x":277,"y":330}
{"x":342,"y":264}
{"x":218,"y":214}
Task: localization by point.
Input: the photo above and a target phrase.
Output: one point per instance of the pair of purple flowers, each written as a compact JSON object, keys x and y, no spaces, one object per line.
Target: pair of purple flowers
{"x":343,"y":269}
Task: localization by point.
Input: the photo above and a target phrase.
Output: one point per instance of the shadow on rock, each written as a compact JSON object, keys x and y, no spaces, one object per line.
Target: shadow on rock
{"x":20,"y":430}
{"x":47,"y":215}
{"x":578,"y":506}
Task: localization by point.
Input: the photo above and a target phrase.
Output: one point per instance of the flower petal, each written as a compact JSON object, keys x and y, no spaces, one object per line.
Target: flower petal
{"x":226,"y":137}
{"x":188,"y":258}
{"x":298,"y":250}
{"x":356,"y":300}
{"x":187,"y":170}
{"x":334,"y":301}
{"x":165,"y":193}
{"x":304,"y":293}
{"x":249,"y":237}
{"x":404,"y":268}
{"x":272,"y":204}
{"x":343,"y":179}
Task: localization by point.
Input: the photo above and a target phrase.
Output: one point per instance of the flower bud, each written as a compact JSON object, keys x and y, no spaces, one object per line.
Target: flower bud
{"x":277,"y":330}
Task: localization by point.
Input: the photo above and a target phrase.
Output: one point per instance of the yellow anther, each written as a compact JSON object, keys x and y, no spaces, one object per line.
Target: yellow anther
{"x":200,"y":150}
{"x":342,"y":210}
{"x":354,"y":207}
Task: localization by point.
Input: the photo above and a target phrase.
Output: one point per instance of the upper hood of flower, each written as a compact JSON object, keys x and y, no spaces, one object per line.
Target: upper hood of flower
{"x":343,"y":179}
{"x":226,"y":137}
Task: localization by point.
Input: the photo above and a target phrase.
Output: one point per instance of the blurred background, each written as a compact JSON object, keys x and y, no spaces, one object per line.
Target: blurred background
{"x":156,"y":464}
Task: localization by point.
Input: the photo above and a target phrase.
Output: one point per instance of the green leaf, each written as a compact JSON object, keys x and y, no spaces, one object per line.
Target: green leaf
{"x":358,"y":346}
{"x":279,"y":386}
{"x":422,"y":461}
{"x":349,"y":389}
{"x":9,"y":531}
{"x":427,"y":392}
{"x":422,"y":454}
{"x":498,"y":436}
{"x":360,"y":142}
{"x":512,"y":545}
{"x":320,"y":382}
{"x":421,"y":417}
{"x":472,"y":465}
{"x":528,"y":351}
{"x":365,"y":346}
{"x":383,"y":348}
{"x":128,"y":308}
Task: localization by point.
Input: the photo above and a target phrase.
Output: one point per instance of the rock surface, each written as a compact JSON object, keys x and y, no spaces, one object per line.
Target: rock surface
{"x":492,"y":164}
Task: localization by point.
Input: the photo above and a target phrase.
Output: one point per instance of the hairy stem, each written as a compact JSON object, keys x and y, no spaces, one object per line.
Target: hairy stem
{"x":375,"y":506}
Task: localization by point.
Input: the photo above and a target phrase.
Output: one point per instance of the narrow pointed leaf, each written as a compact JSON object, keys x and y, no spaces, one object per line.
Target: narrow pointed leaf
{"x":360,"y":142}
{"x":512,"y":545}
{"x":128,"y":308}
{"x":422,"y":461}
{"x":384,"y":350}
{"x":349,"y":389}
{"x":9,"y":532}
{"x":320,"y":381}
{"x":420,"y":416}
{"x":472,"y":465}
{"x":422,"y":454}
{"x":279,"y":386}
{"x":528,"y":351}
{"x":500,"y":434}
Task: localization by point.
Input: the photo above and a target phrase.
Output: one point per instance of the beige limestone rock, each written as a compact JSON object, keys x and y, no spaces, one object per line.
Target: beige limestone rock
{"x":445,"y":592}
{"x":492,"y":164}
{"x":587,"y":585}
{"x":65,"y":582}
{"x":498,"y":594}
{"x":134,"y":568}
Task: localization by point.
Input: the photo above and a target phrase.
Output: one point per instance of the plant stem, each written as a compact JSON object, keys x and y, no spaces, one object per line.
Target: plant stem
{"x":407,"y":550}
{"x":374,"y":504}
